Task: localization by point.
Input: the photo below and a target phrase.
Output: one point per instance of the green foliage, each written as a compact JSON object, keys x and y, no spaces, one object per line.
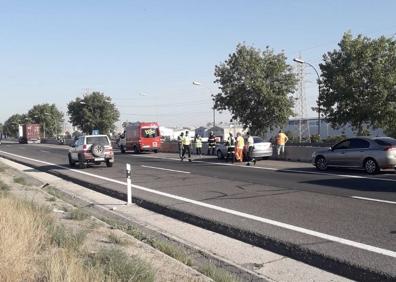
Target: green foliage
{"x":94,"y":111}
{"x":254,"y":87}
{"x":78,"y":214}
{"x":20,"y":180}
{"x":217,"y":274}
{"x":63,"y":238}
{"x":358,"y":83}
{"x":49,"y":117}
{"x":120,"y":267}
{"x":10,"y":126}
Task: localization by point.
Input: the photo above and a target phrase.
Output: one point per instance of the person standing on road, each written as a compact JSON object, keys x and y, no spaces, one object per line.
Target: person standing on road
{"x":180,"y":144}
{"x":198,"y":145}
{"x":211,"y":143}
{"x":230,"y":148}
{"x":240,"y":143}
{"x":281,"y":140}
{"x":186,"y":141}
{"x":250,"y":158}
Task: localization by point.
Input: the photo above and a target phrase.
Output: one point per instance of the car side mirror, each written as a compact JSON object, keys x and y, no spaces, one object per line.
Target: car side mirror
{"x":331,"y":149}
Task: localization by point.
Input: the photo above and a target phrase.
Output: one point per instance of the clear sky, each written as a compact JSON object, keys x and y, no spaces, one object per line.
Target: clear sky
{"x":145,"y":54}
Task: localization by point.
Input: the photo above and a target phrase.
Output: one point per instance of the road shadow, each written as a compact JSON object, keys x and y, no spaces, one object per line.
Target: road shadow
{"x":358,"y":184}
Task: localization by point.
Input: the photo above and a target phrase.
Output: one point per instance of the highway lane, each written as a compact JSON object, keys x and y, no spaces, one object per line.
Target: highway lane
{"x":319,"y":202}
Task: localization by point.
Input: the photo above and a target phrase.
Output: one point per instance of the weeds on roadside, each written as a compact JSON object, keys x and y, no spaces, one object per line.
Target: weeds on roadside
{"x":171,"y":251}
{"x":4,"y":187}
{"x":217,"y":274}
{"x":115,"y":239}
{"x":51,"y":199}
{"x":78,"y":214}
{"x":20,"y":180}
{"x":120,"y":266}
{"x":63,"y":238}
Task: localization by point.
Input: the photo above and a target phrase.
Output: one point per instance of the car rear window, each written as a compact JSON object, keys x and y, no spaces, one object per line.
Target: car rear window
{"x":101,"y":140}
{"x":385,"y":141}
{"x":258,"y":140}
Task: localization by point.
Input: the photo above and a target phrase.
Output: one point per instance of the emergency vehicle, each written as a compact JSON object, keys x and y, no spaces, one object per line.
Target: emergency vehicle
{"x":141,"y":136}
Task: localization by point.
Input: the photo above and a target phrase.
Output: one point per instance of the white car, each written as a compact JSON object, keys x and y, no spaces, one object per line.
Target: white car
{"x":91,"y":149}
{"x":262,"y":149}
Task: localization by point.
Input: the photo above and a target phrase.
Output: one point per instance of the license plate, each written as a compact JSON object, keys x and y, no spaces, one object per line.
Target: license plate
{"x":155,"y":144}
{"x":99,"y":159}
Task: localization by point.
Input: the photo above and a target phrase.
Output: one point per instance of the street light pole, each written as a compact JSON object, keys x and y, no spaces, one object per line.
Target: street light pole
{"x":214,"y":111}
{"x":303,"y":62}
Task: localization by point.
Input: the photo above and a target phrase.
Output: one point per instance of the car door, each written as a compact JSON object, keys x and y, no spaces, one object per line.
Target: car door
{"x":75,"y":148}
{"x":357,"y":152}
{"x":338,"y":156}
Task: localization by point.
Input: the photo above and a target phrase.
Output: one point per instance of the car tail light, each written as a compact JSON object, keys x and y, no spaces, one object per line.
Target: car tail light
{"x":85,"y":147}
{"x":390,"y":148}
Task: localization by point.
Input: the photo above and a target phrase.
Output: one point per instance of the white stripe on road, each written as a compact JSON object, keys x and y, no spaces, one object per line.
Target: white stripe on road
{"x":167,"y":169}
{"x":317,"y":234}
{"x":44,"y":151}
{"x":374,"y":200}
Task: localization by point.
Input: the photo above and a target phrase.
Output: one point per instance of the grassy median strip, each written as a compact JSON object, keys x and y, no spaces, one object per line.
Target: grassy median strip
{"x":34,"y":247}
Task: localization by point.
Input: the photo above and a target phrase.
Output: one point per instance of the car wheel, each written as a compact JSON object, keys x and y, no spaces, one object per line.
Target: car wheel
{"x":321,"y":163}
{"x":371,"y":166}
{"x":155,"y":151}
{"x":97,"y":150}
{"x":71,"y":162}
{"x":219,"y":155}
{"x":81,"y":162}
{"x":136,"y":150}
{"x":108,"y":163}
{"x":122,"y":149}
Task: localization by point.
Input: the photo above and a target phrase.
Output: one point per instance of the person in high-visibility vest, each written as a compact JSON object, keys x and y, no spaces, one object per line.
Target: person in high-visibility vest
{"x":198,"y":145}
{"x":186,"y":141}
{"x":281,"y":140}
{"x":230,"y":148}
{"x":250,"y":149}
{"x":240,"y":143}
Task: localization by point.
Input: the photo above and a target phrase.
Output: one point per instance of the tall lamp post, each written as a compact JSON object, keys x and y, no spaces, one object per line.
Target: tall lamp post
{"x":303,"y":62}
{"x":214,"y":111}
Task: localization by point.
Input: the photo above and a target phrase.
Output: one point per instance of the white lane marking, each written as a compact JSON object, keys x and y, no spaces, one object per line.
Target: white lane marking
{"x":44,"y":151}
{"x":314,"y":233}
{"x":374,"y":200}
{"x":167,"y":169}
{"x":279,"y":169}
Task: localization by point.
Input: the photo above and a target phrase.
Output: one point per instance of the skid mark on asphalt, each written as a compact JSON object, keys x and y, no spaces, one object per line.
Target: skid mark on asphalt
{"x":283,"y":225}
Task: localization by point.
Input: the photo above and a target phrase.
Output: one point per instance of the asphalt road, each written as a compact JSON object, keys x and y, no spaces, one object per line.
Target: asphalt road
{"x":347,"y":216}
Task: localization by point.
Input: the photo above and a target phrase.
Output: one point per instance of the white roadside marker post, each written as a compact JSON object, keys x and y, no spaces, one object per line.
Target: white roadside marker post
{"x":129,"y":186}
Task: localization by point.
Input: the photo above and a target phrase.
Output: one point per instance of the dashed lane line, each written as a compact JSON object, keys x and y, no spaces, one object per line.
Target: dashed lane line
{"x":373,"y":200}
{"x":166,"y":169}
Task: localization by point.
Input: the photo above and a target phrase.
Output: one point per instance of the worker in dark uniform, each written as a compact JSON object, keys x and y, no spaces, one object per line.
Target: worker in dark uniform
{"x":180,"y":143}
{"x":211,"y":143}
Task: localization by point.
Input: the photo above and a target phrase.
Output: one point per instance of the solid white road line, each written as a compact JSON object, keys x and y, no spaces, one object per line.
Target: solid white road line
{"x":374,"y":200}
{"x":287,"y":226}
{"x":44,"y":151}
{"x":166,"y":169}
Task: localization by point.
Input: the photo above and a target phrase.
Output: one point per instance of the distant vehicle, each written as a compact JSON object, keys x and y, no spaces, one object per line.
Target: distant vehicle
{"x":93,"y":149}
{"x":370,"y":154}
{"x":262,"y":149}
{"x":141,"y":136}
{"x":29,"y":133}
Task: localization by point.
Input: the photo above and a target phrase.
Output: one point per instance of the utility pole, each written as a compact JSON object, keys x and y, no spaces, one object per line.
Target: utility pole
{"x":301,"y":103}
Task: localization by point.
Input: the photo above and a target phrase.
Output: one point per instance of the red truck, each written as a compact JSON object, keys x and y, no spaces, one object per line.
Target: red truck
{"x":141,"y":136}
{"x":29,"y":133}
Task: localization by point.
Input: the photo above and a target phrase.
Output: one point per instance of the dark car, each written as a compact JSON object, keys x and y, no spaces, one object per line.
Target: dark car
{"x":370,"y":154}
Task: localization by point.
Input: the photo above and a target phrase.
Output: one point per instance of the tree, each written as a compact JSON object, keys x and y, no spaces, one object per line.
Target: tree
{"x":11,"y":125}
{"x":49,"y":117}
{"x":254,"y":87}
{"x":94,"y":111}
{"x":357,"y":83}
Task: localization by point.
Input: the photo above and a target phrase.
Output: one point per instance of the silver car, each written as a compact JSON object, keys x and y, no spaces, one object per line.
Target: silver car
{"x":371,"y":154}
{"x":262,"y":149}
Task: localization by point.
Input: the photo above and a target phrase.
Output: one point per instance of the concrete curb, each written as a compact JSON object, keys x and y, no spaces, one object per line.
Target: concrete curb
{"x":293,"y":251}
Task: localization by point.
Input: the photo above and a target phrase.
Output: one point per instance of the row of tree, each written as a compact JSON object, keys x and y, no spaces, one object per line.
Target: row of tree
{"x":357,"y":86}
{"x":93,"y":112}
